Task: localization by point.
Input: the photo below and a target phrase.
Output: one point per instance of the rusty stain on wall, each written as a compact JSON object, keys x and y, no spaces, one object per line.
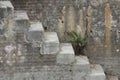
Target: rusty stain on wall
{"x":88,"y":23}
{"x":108,"y":20}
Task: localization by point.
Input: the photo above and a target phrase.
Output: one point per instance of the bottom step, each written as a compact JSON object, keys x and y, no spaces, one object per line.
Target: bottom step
{"x":97,"y":73}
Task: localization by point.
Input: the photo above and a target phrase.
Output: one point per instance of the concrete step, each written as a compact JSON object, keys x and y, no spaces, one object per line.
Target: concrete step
{"x":97,"y":73}
{"x":66,"y":54}
{"x":50,"y":43}
{"x":81,"y":67}
{"x":21,"y":21}
{"x":6,"y":9}
{"x":35,"y":32}
{"x":109,"y":77}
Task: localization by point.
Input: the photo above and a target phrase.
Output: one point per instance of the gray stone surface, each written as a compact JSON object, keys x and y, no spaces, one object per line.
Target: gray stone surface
{"x":81,"y":68}
{"x":97,"y":73}
{"x":48,"y":12}
{"x":110,"y":63}
{"x":6,"y":9}
{"x":21,"y":21}
{"x":2,"y":27}
{"x":81,"y":64}
{"x":4,"y":76}
{"x":35,"y":32}
{"x":32,"y":66}
{"x":66,"y":54}
{"x":109,"y":77}
{"x":3,"y":11}
{"x":50,"y":43}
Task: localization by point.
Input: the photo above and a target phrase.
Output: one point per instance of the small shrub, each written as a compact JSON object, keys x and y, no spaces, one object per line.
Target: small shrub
{"x":78,"y":42}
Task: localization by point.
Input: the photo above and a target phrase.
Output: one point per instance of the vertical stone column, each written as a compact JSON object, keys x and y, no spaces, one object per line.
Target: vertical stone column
{"x":88,"y":23}
{"x":70,"y":19}
{"x":108,"y":20}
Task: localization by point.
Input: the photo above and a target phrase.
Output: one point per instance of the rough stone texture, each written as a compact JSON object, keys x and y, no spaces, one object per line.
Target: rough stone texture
{"x":81,"y":64}
{"x":81,"y":68}
{"x":97,"y":73}
{"x":45,"y":73}
{"x":6,"y":9}
{"x":3,"y":11}
{"x":49,"y":11}
{"x":112,"y":77}
{"x":110,"y":64}
{"x":66,"y":54}
{"x":35,"y":32}
{"x":21,"y":21}
{"x":50,"y":43}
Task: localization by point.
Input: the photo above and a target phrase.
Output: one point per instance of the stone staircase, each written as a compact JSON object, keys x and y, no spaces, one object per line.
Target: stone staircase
{"x":40,"y":55}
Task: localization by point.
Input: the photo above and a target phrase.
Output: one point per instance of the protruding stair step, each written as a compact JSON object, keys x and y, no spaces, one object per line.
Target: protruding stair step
{"x":109,"y":77}
{"x":81,"y":67}
{"x":21,"y":21}
{"x":66,"y":54}
{"x":6,"y":9}
{"x":97,"y":73}
{"x":35,"y":32}
{"x":50,"y":43}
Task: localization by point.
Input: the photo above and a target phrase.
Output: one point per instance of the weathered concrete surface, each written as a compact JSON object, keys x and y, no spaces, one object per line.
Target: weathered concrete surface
{"x":112,"y":77}
{"x":81,"y":64}
{"x":2,"y":28}
{"x":51,"y":43}
{"x":6,"y":9}
{"x":97,"y":73}
{"x":21,"y":21}
{"x":3,"y":11}
{"x":110,"y":63}
{"x":32,"y":67}
{"x":49,"y":12}
{"x":55,"y":72}
{"x":35,"y":32}
{"x":66,"y":54}
{"x":81,"y":68}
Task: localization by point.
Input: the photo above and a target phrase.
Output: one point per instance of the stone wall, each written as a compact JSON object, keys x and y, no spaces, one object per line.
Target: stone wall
{"x":49,"y":12}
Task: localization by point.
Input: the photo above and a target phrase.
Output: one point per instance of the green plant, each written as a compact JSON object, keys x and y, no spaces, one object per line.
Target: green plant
{"x":78,"y":42}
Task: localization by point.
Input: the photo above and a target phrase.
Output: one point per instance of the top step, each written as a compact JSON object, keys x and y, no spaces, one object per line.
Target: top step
{"x":6,"y":9}
{"x":21,"y":21}
{"x":35,"y":32}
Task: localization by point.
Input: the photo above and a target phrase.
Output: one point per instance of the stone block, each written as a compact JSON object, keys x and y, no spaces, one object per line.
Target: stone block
{"x":6,"y":9}
{"x":66,"y":54}
{"x":50,"y":43}
{"x":21,"y":21}
{"x":112,"y":78}
{"x":35,"y":32}
{"x":81,"y":64}
{"x":81,"y":67}
{"x":97,"y":73}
